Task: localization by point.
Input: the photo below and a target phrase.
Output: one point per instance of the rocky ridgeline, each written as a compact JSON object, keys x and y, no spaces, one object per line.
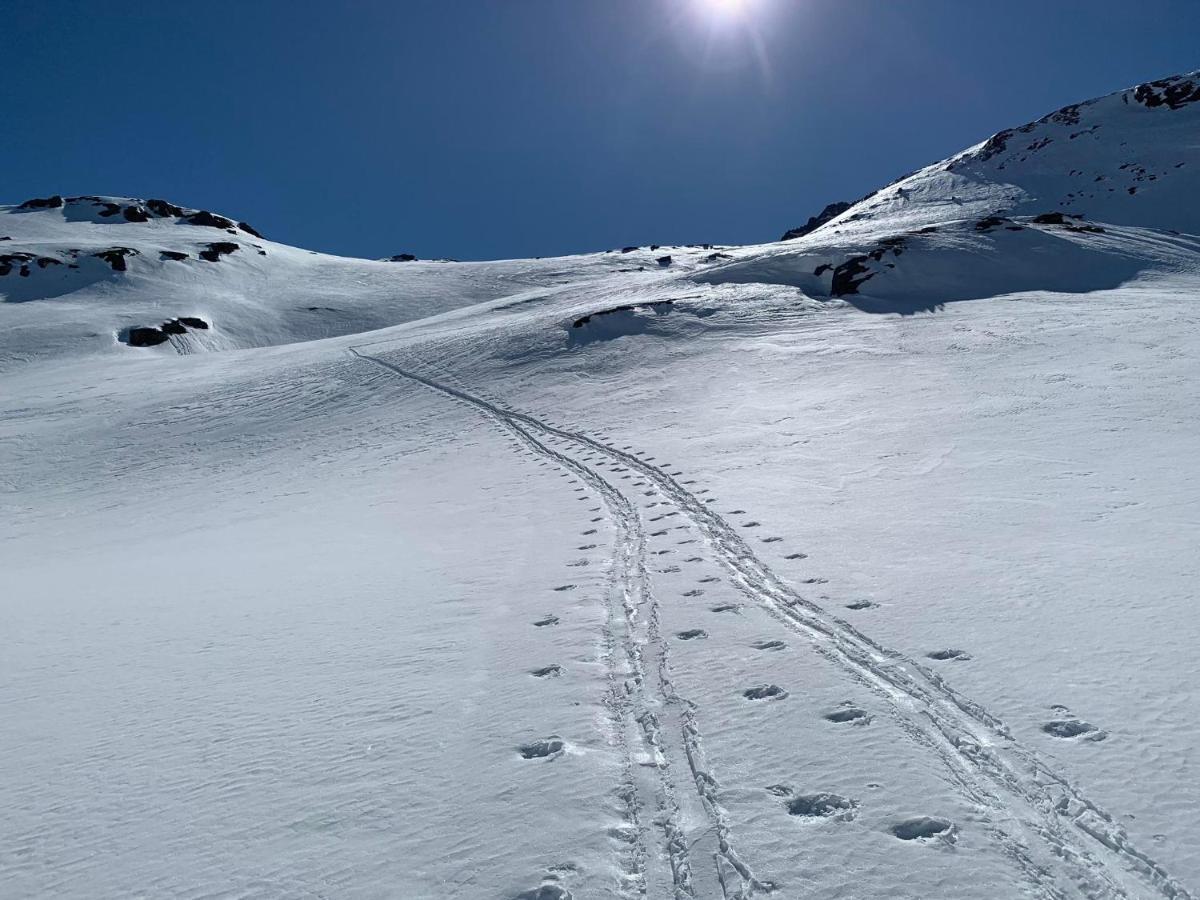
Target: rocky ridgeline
{"x":832,"y":211}
{"x":140,"y":211}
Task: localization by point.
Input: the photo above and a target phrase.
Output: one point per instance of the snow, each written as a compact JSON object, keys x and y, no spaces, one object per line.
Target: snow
{"x":436,"y":593}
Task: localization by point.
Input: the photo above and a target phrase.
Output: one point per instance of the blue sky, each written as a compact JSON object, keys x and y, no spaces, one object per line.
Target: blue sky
{"x":500,"y":128}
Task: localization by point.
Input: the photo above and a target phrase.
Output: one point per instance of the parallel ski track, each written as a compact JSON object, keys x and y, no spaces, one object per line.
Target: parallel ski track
{"x":990,"y":765}
{"x":639,"y":636}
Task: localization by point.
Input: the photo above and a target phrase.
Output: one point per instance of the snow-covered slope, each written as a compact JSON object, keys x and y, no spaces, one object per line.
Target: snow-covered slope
{"x":78,"y":273}
{"x":595,"y":577}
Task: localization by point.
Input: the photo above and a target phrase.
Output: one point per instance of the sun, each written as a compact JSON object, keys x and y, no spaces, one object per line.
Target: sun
{"x":726,"y":8}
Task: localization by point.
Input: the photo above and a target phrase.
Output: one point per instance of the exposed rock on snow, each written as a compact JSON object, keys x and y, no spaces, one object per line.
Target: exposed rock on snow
{"x":213,"y":252}
{"x":832,"y":211}
{"x":53,"y":202}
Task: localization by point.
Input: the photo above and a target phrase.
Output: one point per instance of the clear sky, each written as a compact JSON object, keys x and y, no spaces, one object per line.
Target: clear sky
{"x":501,"y":128}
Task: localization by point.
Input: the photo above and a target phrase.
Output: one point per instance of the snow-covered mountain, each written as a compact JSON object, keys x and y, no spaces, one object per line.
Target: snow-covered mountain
{"x":653,"y":572}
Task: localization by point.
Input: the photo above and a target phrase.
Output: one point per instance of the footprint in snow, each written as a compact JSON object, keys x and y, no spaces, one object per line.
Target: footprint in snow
{"x":551,"y":671}
{"x":860,"y":604}
{"x":549,"y":620}
{"x":546,"y":748}
{"x":959,"y":655}
{"x":822,"y":805}
{"x":658,"y":533}
{"x":736,"y":512}
{"x":694,"y":592}
{"x":692,"y":634}
{"x":1067,"y":729}
{"x":577,"y":564}
{"x":752,"y":524}
{"x":772,"y":540}
{"x":765,"y":692}
{"x":587,"y":547}
{"x":726,"y":607}
{"x":796,"y":556}
{"x":565,"y":587}
{"x":768,"y":645}
{"x":545,"y":892}
{"x":849,"y":714}
{"x":709,"y":580}
{"x":589,"y":531}
{"x":924,"y":828}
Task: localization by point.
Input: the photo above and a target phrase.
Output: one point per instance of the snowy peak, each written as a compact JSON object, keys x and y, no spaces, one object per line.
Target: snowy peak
{"x":124,"y":210}
{"x":1129,"y":158}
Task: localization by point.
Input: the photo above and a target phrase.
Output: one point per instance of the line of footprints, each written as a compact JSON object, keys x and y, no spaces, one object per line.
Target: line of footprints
{"x":813,"y":806}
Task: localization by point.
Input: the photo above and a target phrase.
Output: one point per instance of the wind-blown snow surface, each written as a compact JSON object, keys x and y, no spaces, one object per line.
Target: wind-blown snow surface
{"x":693,"y":581}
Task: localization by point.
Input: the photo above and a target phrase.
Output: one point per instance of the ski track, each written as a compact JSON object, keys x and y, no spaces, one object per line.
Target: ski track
{"x":1021,"y":794}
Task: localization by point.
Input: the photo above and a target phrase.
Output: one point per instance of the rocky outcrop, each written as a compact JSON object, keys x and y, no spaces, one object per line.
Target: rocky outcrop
{"x":206,"y":219}
{"x":656,"y":306}
{"x":153,"y":335}
{"x":214,"y":251}
{"x":833,"y":210}
{"x":115,"y":257}
{"x":401,"y":257}
{"x":851,"y":274}
{"x":52,"y":202}
{"x":1172,"y":93}
{"x":1067,"y":221}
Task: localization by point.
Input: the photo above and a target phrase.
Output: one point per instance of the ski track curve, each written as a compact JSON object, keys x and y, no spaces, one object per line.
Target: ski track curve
{"x":1021,"y":792}
{"x":642,"y":695}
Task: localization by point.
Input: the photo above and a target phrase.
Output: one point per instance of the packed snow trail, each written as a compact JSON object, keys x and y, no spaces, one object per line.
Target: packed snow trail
{"x":1006,"y":779}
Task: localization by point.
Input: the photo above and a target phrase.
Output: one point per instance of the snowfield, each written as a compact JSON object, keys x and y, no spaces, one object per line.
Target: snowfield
{"x":859,"y":565}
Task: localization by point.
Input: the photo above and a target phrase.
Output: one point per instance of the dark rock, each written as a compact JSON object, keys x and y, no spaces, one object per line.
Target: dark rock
{"x":849,"y":275}
{"x":657,"y":306}
{"x":24,"y":271}
{"x":52,"y":202}
{"x":995,"y":145}
{"x":115,"y":257}
{"x":245,"y":226}
{"x":1066,"y":220}
{"x":653,"y":247}
{"x":44,"y":261}
{"x":164,"y":209}
{"x":1170,"y":92}
{"x":210,"y":220}
{"x":193,"y":322}
{"x":8,"y":260}
{"x":713,"y":257}
{"x":145,"y":337}
{"x":173,"y":326}
{"x":628,"y":249}
{"x":110,"y":209}
{"x":136,"y":214}
{"x":822,"y":269}
{"x":663,"y":261}
{"x":172,"y":255}
{"x":218,"y":249}
{"x":833,"y":210}
{"x":401,"y":257}
{"x":990,"y":223}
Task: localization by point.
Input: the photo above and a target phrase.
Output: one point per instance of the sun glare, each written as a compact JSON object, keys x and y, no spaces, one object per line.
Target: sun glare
{"x":726,"y":8}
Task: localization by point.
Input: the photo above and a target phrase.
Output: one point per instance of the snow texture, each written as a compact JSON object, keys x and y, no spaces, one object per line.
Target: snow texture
{"x":858,"y":565}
